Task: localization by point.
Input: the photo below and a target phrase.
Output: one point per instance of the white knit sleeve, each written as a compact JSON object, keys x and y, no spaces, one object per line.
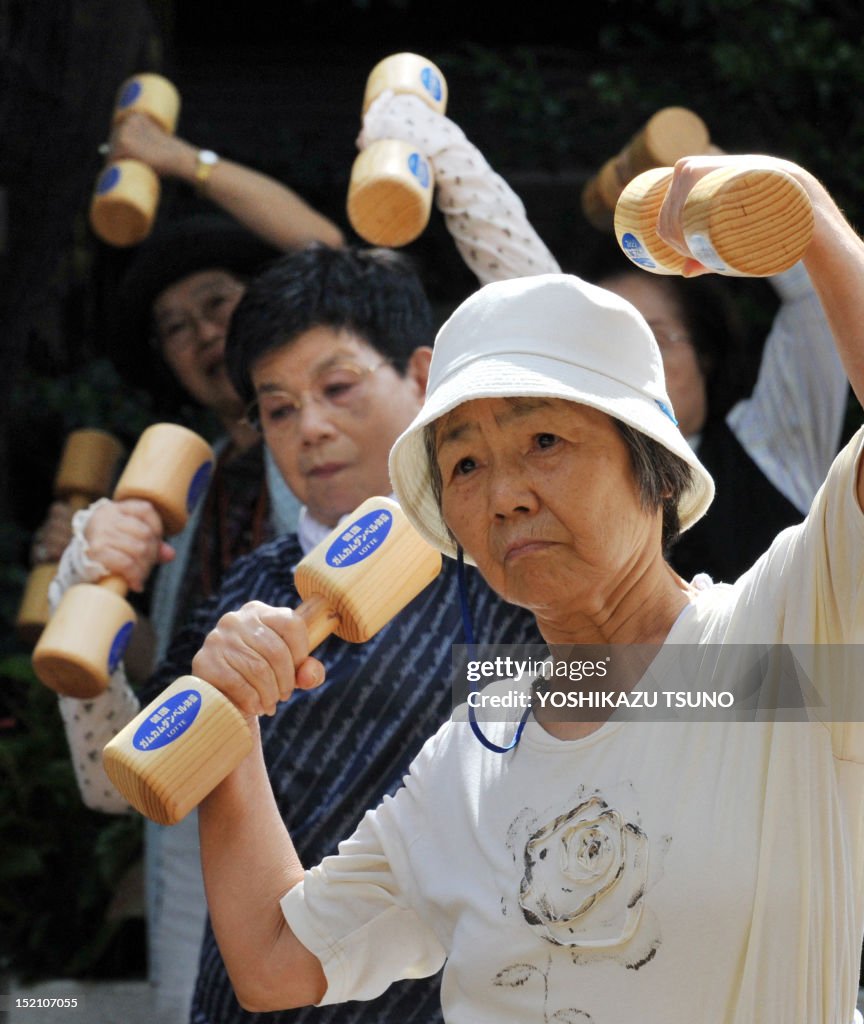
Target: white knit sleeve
{"x":791,"y":424}
{"x":76,"y":565}
{"x":90,"y":724}
{"x":484,"y":215}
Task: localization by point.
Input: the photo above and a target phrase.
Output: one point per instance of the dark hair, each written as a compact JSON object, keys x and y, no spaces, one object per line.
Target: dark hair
{"x":661,"y":477}
{"x":175,"y":250}
{"x":374,"y":293}
{"x":727,"y":359}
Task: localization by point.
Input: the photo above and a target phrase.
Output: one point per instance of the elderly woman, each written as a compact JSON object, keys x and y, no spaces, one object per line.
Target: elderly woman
{"x":600,"y":869}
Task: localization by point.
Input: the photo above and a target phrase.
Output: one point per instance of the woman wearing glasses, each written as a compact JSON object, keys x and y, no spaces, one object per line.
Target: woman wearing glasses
{"x":329,"y":348}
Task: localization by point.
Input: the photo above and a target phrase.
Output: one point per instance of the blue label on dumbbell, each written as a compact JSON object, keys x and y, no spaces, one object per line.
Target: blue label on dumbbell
{"x":431,"y":83}
{"x":360,"y":539}
{"x":168,"y":721}
{"x":198,"y":485}
{"x":419,"y":168}
{"x":131,"y":91}
{"x":633,"y":248}
{"x":119,"y":645}
{"x":107,"y":180}
{"x":702,"y":249}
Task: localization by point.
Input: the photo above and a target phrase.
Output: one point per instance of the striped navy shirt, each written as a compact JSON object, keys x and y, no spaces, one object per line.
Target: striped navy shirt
{"x":334,"y":752}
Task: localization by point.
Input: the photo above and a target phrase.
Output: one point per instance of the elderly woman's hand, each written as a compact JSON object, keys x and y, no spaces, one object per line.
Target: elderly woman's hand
{"x":138,"y":137}
{"x":126,"y":538}
{"x":257,"y":656}
{"x":689,"y":170}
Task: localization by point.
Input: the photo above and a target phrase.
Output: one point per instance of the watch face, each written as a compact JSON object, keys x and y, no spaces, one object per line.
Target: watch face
{"x":207,"y":156}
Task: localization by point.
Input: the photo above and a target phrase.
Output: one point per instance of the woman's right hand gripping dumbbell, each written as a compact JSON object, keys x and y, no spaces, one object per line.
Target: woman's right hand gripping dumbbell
{"x":257,"y":656}
{"x":126,"y":538}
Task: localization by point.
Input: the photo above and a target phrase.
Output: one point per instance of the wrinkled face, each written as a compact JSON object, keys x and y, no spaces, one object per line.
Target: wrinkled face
{"x":190,"y":321}
{"x":685,"y":381}
{"x":541,"y":494}
{"x":330,"y":407}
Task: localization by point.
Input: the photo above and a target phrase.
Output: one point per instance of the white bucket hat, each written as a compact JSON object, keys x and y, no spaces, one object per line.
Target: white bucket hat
{"x":553,"y":336}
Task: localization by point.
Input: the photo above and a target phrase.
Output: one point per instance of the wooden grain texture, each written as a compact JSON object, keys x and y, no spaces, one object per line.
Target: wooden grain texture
{"x":407,"y":73}
{"x":85,"y":472}
{"x":668,"y":135}
{"x":390,"y":189}
{"x":150,"y":94}
{"x":164,"y":783}
{"x":88,"y":632}
{"x":636,"y":223}
{"x":748,"y":222}
{"x":124,"y":203}
{"x":388,"y":204}
{"x":360,"y":576}
{"x":88,"y":465}
{"x":163,"y":468}
{"x":367,"y":593}
{"x":74,"y":652}
{"x":127,"y":193}
{"x":737,"y":221}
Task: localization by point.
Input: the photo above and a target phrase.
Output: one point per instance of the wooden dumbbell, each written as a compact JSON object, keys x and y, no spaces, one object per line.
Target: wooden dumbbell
{"x":665,"y":137}
{"x":87,"y":635}
{"x":739,"y":222}
{"x":127,"y":192}
{"x":85,"y":473}
{"x":390,"y":191}
{"x":168,"y":758}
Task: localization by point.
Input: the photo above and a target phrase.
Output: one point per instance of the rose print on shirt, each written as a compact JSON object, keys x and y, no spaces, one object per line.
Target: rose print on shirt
{"x":585,"y":884}
{"x":585,"y":876}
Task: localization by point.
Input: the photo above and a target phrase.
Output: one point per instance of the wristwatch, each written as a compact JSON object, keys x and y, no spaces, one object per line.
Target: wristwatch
{"x":205,"y":161}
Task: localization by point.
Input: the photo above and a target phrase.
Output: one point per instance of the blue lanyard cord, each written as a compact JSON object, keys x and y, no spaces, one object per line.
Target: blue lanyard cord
{"x":469,"y":640}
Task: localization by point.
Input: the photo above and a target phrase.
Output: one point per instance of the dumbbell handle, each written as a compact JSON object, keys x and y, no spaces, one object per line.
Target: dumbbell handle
{"x":85,"y":473}
{"x":86,"y":636}
{"x":352,"y":584}
{"x":737,"y":221}
{"x":319,"y":617}
{"x":390,"y":190}
{"x":127,"y":192}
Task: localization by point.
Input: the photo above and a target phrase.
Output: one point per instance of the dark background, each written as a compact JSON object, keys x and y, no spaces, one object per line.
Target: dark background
{"x":547,"y":91}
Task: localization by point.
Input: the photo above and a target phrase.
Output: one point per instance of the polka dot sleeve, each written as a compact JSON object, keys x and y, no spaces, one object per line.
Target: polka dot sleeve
{"x":484,"y":215}
{"x":90,"y":724}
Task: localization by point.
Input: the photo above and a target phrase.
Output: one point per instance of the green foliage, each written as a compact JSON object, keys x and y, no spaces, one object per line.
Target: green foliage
{"x":783,"y":77}
{"x":525,"y":95}
{"x":92,"y":396}
{"x":61,"y":863}
{"x":779,"y":76}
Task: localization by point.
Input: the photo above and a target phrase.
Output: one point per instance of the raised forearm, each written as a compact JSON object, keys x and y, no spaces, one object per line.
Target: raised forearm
{"x":484,"y":215}
{"x":249,"y":862}
{"x":835,"y":261}
{"x":268,"y":208}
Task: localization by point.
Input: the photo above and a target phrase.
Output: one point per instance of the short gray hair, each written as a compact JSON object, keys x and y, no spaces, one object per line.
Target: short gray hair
{"x":661,"y":477}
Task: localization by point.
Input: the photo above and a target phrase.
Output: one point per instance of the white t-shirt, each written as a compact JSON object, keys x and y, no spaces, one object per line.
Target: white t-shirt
{"x":655,"y":872}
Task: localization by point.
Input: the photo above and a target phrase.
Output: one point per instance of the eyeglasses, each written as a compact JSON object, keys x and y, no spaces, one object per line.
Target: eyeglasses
{"x":339,"y":386}
{"x":669,"y":340}
{"x":178,"y":331}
